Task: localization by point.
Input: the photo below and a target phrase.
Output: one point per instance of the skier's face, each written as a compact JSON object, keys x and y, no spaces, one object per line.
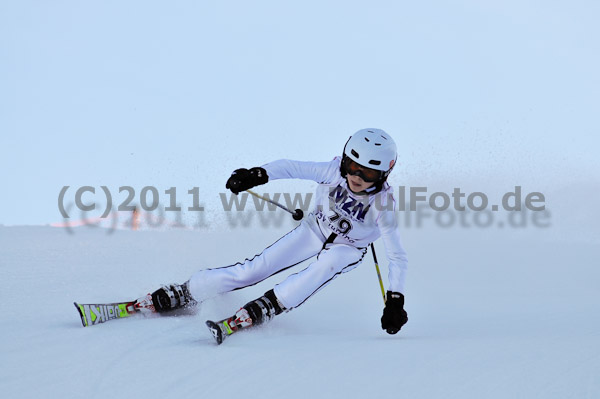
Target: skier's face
{"x":357,"y":184}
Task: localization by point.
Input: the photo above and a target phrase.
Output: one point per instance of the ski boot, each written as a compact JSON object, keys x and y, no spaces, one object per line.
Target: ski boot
{"x":166,"y":298}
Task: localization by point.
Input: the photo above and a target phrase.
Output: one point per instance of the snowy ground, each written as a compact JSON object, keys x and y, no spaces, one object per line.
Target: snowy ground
{"x":491,"y":315}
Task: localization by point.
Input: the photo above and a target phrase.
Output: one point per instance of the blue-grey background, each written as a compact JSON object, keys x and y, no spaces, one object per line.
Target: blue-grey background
{"x":479,"y":95}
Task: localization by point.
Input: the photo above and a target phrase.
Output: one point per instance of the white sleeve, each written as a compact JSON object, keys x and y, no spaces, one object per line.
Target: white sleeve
{"x":398,"y":262}
{"x":321,"y":172}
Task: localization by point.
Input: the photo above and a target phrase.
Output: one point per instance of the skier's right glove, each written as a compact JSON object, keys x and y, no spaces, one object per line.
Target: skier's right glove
{"x":394,"y":315}
{"x":243,"y":179}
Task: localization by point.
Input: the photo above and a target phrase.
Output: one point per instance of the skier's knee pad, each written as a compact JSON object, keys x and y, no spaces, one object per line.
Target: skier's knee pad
{"x":263,"y":309}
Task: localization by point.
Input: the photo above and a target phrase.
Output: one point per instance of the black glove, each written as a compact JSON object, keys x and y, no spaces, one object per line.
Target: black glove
{"x":243,"y":179}
{"x":394,"y":315}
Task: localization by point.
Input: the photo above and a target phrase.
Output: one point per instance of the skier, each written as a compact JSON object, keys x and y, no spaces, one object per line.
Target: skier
{"x":354,"y":207}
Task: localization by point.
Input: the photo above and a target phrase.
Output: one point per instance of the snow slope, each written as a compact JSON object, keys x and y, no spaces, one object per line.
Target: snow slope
{"x":491,"y":315}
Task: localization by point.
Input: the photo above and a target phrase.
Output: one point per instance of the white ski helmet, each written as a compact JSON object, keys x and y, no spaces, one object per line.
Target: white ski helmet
{"x":372,"y":148}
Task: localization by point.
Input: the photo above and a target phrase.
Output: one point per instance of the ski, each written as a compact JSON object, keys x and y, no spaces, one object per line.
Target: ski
{"x":224,"y":328}
{"x":221,"y":329}
{"x":216,"y":331}
{"x":97,"y":313}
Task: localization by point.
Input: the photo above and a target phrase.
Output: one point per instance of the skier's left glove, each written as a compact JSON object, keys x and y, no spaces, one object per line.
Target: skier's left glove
{"x":244,"y":179}
{"x":394,"y":315}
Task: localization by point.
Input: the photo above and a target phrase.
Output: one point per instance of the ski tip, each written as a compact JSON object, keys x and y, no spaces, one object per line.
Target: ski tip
{"x":78,"y":307}
{"x":215,"y":331}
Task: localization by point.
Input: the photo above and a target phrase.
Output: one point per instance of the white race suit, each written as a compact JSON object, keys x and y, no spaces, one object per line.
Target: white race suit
{"x":337,"y":231}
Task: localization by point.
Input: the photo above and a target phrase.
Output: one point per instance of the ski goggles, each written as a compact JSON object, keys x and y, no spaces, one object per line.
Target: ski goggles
{"x":367,"y":174}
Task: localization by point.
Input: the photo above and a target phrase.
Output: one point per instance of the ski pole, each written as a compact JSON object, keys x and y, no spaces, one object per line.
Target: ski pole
{"x":297,"y":214}
{"x":378,"y":272}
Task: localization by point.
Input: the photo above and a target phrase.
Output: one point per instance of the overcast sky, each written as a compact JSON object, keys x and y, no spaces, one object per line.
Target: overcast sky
{"x":179,"y":94}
